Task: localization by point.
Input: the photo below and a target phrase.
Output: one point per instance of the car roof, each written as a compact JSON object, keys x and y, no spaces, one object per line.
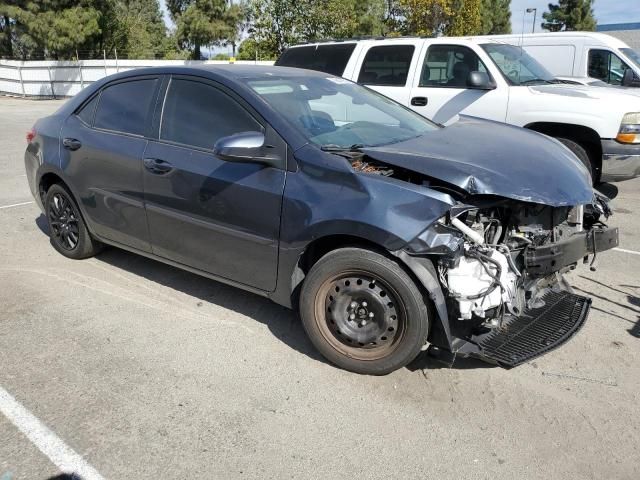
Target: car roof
{"x":229,"y":71}
{"x":478,"y":39}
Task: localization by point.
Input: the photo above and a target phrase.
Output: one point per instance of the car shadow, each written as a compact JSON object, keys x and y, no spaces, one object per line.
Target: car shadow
{"x":283,"y":323}
{"x":633,"y":302}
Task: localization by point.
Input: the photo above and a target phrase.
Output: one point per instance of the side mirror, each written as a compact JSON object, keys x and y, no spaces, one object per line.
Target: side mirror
{"x":629,"y":78}
{"x":480,"y":81}
{"x":241,"y":147}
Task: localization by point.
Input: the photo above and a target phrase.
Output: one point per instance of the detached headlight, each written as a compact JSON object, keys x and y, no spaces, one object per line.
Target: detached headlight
{"x":630,"y":129}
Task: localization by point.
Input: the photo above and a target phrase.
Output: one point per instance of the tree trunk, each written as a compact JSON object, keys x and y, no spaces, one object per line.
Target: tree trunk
{"x":196,"y":52}
{"x":8,"y":45}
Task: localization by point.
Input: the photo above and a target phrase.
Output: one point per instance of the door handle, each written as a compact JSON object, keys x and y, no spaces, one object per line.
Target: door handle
{"x":71,"y":144}
{"x":157,"y":166}
{"x":419,"y":101}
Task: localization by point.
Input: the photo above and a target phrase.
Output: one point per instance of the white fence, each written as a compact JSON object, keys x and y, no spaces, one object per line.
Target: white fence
{"x":66,"y":78}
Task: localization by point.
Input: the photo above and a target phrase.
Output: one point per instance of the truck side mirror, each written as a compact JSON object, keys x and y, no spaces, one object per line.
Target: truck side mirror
{"x":628,"y":79}
{"x":480,"y":81}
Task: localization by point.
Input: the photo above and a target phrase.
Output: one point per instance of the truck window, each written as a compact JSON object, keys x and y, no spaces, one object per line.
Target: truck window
{"x":606,"y":66}
{"x":330,"y":59}
{"x":449,"y":66}
{"x":386,"y":65}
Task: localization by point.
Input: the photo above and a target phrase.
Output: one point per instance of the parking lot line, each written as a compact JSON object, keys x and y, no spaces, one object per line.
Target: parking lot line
{"x":15,"y":205}
{"x":632,"y":252}
{"x":60,"y":454}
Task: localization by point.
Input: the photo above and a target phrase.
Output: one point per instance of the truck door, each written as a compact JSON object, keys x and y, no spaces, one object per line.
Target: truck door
{"x":606,"y":66}
{"x":440,"y":90}
{"x":388,"y":69}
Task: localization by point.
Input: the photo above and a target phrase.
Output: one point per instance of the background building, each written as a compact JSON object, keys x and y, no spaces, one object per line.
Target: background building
{"x":627,"y":32}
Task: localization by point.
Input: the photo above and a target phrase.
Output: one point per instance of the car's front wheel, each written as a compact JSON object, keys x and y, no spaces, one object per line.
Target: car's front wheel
{"x":67,"y":230}
{"x":363,"y":311}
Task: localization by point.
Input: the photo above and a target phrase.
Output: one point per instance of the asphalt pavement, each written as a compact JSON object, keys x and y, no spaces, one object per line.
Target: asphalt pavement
{"x":134,"y":369}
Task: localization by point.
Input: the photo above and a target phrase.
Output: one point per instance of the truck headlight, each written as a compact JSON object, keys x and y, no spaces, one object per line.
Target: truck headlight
{"x":630,"y":129}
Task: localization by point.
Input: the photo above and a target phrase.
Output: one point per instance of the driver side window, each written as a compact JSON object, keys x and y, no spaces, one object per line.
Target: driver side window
{"x":198,"y":115}
{"x":606,"y":66}
{"x":448,"y":66}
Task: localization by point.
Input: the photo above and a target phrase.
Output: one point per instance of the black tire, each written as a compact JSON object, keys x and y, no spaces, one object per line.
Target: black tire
{"x":579,"y":151}
{"x":387,"y":335}
{"x":68,"y":233}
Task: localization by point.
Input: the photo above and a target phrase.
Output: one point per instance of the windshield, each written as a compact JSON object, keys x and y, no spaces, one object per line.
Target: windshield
{"x":336,"y":113}
{"x":517,"y":66}
{"x":632,"y":55}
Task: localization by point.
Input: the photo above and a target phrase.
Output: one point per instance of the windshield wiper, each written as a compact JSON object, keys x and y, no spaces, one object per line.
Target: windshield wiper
{"x":337,"y":148}
{"x":535,"y":80}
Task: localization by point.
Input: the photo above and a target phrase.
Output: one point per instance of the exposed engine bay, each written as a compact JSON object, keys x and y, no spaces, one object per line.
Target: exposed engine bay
{"x":496,"y":257}
{"x":497,"y":270}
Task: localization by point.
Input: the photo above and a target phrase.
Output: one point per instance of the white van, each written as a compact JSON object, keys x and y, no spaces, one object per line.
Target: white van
{"x":581,"y":54}
{"x":442,"y":77}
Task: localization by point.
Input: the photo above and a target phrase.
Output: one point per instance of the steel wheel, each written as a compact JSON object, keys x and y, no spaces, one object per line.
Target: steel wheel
{"x":360,"y":315}
{"x":63,"y":220}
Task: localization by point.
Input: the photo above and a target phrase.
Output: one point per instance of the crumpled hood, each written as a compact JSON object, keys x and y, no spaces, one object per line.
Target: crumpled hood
{"x":490,"y":158}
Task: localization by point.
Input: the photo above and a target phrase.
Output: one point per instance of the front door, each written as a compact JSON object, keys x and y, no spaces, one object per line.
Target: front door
{"x":440,"y":89}
{"x":210,"y":214}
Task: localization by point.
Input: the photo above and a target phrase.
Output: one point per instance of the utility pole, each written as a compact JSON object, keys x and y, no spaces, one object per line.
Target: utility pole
{"x":535,"y":13}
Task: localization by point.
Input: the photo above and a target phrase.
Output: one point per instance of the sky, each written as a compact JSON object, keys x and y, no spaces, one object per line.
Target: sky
{"x":606,"y":11}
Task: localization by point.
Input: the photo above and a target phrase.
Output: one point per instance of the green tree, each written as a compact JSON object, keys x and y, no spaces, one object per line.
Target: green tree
{"x":422,"y":17}
{"x":276,"y":24}
{"x":467,"y":18}
{"x":436,"y":17}
{"x":55,"y":29}
{"x":496,"y":17}
{"x":570,"y":15}
{"x":135,"y":29}
{"x":204,"y":22}
{"x":249,"y":49}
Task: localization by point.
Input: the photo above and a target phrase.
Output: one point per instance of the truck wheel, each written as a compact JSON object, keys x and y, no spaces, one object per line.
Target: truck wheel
{"x":579,"y":151}
{"x":363,"y":312}
{"x":67,"y":230}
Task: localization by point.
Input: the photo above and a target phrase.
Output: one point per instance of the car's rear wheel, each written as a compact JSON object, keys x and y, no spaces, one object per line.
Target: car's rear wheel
{"x":67,"y":231}
{"x":363,"y":312}
{"x":579,"y":151}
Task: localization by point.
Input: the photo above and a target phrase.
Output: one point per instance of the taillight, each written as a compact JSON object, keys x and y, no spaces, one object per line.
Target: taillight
{"x":31,"y":134}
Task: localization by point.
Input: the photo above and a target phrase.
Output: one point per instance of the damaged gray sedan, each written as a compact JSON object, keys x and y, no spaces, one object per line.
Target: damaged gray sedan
{"x":389,"y":233}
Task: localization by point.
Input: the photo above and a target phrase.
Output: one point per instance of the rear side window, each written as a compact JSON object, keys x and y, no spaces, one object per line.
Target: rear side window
{"x":387,"y":65}
{"x":86,"y":112}
{"x":124,"y":107}
{"x":198,"y":115}
{"x":331,"y":59}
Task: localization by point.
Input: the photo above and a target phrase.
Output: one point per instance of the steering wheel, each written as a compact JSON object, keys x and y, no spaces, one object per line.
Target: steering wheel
{"x":514,"y":75}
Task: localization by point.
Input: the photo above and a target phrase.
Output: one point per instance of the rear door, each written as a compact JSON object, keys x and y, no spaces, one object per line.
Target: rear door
{"x":102,"y":147}
{"x":387,"y":68}
{"x":210,"y":214}
{"x":440,"y":89}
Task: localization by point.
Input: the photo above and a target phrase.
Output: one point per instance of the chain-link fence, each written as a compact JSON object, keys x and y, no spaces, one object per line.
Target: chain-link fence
{"x":61,"y":78}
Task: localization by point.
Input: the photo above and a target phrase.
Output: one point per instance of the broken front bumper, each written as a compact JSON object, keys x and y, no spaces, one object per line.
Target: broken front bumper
{"x":547,"y":259}
{"x":534,"y":333}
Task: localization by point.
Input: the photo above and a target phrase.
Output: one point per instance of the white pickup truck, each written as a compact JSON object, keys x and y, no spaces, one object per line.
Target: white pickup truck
{"x":443,"y":77}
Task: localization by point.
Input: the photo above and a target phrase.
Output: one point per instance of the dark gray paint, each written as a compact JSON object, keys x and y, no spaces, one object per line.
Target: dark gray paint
{"x":249,"y":224}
